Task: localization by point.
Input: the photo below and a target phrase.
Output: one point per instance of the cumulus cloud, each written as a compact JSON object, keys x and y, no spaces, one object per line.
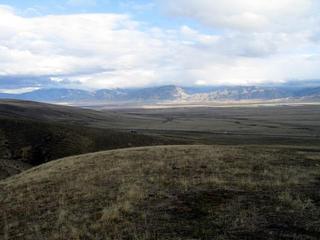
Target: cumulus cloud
{"x":76,"y":46}
{"x":114,"y":50}
{"x":245,"y":14}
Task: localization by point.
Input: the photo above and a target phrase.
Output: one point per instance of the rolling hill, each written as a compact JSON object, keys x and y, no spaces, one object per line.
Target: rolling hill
{"x":34,"y":133}
{"x":176,"y":192}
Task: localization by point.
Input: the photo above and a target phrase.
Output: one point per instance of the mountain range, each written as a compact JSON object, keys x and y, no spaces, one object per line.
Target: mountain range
{"x":169,"y":93}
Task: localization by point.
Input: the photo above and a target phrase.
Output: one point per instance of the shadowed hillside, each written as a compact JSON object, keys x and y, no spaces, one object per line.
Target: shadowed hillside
{"x":55,"y":113}
{"x":34,"y":133}
{"x":177,"y":192}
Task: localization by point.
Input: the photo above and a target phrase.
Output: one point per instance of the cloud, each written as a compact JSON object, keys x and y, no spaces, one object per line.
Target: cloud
{"x":70,"y":45}
{"x":114,"y":50}
{"x":281,"y":15}
{"x":18,"y":90}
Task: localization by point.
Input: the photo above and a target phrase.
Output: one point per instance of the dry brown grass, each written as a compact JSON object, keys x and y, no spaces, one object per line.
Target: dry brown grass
{"x":174,"y":192}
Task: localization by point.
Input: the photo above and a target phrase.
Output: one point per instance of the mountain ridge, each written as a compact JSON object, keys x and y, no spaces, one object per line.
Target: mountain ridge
{"x":168,"y":93}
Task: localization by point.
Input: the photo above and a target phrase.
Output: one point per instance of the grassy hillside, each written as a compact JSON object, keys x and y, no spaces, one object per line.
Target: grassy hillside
{"x":36,"y":142}
{"x":34,"y":133}
{"x":43,"y":112}
{"x":176,"y":192}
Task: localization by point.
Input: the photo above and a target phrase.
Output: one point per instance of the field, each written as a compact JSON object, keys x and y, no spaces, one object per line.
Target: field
{"x":229,"y":173}
{"x":297,"y":125}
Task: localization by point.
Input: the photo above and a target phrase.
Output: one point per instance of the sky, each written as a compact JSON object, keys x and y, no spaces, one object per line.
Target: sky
{"x":95,"y":44}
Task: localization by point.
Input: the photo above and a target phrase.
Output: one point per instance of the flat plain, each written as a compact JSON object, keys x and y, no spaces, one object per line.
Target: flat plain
{"x":229,"y":125}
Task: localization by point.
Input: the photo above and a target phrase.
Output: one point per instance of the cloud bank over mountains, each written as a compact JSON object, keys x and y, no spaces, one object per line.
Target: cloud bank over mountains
{"x":245,"y":42}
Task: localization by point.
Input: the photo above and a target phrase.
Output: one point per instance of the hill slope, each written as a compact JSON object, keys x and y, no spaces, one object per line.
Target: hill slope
{"x":176,"y":192}
{"x":54,"y":113}
{"x":34,"y":133}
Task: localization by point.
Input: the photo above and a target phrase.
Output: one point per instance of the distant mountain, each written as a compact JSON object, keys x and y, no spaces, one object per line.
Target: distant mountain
{"x":6,"y":95}
{"x":169,"y":93}
{"x":57,"y":95}
{"x":164,"y":93}
{"x":243,"y":93}
{"x":111,"y":95}
{"x":309,"y":92}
